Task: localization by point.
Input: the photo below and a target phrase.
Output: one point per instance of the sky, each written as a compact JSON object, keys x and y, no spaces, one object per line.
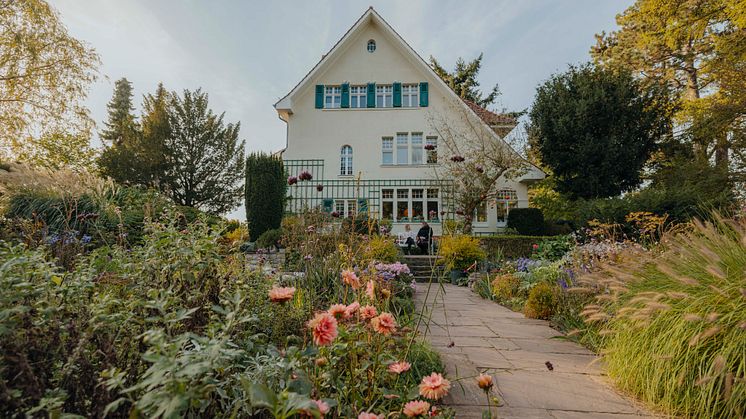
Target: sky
{"x":248,"y":54}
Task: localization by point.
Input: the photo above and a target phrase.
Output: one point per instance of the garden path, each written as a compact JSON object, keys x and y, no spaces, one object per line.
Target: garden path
{"x":475,"y":335}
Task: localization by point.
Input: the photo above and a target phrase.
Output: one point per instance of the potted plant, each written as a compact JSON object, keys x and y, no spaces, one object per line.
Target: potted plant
{"x":458,"y":253}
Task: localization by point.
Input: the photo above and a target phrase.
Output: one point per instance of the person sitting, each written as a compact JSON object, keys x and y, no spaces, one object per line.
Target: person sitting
{"x":425,"y":238}
{"x":407,"y":238}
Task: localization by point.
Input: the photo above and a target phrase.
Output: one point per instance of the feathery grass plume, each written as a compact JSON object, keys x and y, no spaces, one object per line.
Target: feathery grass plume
{"x":685,"y":302}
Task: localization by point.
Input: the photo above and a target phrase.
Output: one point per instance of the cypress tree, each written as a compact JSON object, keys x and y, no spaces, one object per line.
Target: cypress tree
{"x":264,"y":193}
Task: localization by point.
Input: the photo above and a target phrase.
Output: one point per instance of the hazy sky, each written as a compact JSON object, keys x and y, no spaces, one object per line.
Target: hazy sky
{"x":248,"y":54}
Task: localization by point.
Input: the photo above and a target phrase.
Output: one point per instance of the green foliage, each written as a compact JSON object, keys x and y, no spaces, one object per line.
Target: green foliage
{"x":526,"y":221}
{"x":674,"y":334}
{"x":269,"y":239}
{"x":595,"y":128}
{"x":382,"y":249}
{"x":554,"y":248}
{"x":107,"y":334}
{"x":511,"y":246}
{"x":361,"y":224}
{"x":460,"y":251}
{"x":541,"y":302}
{"x":208,"y":158}
{"x":505,"y":287}
{"x":264,"y":192}
{"x":463,"y":80}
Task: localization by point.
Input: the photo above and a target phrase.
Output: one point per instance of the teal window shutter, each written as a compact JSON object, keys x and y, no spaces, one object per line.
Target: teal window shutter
{"x":345,"y":95}
{"x":424,"y":99}
{"x":327,"y":205}
{"x":319,"y":96}
{"x":397,"y":95}
{"x":371,"y":95}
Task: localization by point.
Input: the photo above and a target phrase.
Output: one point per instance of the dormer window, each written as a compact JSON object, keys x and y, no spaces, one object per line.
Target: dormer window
{"x":332,"y":97}
{"x":371,"y":45}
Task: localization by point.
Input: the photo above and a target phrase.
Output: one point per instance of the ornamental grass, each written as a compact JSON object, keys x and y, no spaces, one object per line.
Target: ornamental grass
{"x":673,"y":322}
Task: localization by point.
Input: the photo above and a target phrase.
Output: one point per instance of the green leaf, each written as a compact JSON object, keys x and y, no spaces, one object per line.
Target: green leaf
{"x":262,"y":396}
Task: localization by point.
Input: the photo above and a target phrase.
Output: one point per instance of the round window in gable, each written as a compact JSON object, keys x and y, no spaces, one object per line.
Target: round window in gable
{"x":371,"y":45}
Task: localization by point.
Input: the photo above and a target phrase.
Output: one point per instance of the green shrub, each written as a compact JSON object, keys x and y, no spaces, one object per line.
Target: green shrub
{"x":676,"y":337}
{"x":264,"y":193}
{"x":510,"y":246}
{"x":361,"y":224}
{"x":541,"y":302}
{"x":381,"y":249}
{"x":526,"y":221}
{"x":505,"y":287}
{"x":554,"y":248}
{"x":460,"y":252}
{"x":270,"y":238}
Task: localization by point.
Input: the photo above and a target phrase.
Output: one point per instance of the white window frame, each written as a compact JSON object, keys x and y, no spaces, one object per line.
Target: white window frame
{"x":427,"y":195}
{"x":416,"y":156}
{"x":387,"y":149}
{"x":506,"y":199}
{"x":358,"y":97}
{"x":410,"y":95}
{"x":384,"y":96}
{"x":345,"y":160}
{"x":332,"y":97}
{"x":402,"y":143}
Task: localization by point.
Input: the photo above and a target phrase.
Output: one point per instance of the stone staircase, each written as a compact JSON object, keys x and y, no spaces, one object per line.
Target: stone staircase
{"x":423,"y":267}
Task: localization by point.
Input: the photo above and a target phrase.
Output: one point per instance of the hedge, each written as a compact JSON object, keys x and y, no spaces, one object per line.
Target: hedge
{"x":527,"y":221}
{"x":511,"y":246}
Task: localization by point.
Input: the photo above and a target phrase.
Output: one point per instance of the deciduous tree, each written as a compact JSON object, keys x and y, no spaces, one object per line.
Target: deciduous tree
{"x":44,"y":78}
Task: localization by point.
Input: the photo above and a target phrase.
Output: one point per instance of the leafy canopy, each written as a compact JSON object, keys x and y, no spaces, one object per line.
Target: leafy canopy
{"x":595,"y":129}
{"x":44,"y":79}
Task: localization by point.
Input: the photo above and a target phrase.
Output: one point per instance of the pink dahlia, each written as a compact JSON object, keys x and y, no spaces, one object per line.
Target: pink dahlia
{"x":337,"y":310}
{"x":351,"y":309}
{"x":366,"y":415}
{"x":323,"y":406}
{"x":368,"y":312}
{"x":434,"y":386}
{"x":416,"y":408}
{"x":324,"y":328}
{"x":384,"y":324}
{"x":399,"y":367}
{"x":370,"y":290}
{"x":349,"y":278}
{"x":281,"y":294}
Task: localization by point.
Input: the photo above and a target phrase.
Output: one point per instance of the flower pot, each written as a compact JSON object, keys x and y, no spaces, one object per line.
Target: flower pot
{"x":456,"y":274}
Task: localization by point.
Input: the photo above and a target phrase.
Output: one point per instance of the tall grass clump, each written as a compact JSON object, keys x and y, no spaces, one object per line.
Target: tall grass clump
{"x":673,"y":326}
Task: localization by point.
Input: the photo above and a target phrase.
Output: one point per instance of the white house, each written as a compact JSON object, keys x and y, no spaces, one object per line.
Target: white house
{"x":359,"y":123}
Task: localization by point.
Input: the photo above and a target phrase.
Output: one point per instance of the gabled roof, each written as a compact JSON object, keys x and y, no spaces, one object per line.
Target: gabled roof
{"x":489,"y":117}
{"x":284,"y":105}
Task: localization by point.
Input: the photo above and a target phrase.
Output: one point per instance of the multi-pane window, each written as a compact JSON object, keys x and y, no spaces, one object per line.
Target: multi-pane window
{"x":506,"y":200}
{"x":410,"y":95}
{"x":345,"y":168}
{"x":345,"y":208}
{"x":402,"y":148}
{"x":387,"y":150}
{"x":358,"y":97}
{"x":332,"y":97}
{"x":410,"y":205}
{"x":384,"y":96}
{"x":431,"y":147}
{"x":480,"y":213}
{"x":417,"y":148}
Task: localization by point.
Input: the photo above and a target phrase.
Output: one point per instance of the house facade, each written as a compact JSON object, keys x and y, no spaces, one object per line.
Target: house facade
{"x":364,"y":123}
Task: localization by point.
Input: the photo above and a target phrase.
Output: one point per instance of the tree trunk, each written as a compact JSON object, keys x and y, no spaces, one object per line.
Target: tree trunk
{"x":721,"y":151}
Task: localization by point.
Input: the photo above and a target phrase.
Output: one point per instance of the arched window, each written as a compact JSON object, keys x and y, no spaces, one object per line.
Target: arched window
{"x":345,"y":168}
{"x":371,"y":45}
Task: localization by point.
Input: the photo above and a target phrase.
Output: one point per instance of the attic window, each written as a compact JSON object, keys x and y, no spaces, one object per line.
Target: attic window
{"x":371,"y":45}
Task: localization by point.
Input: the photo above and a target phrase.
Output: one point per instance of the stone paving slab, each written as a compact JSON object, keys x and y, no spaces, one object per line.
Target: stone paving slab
{"x":474,"y":335}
